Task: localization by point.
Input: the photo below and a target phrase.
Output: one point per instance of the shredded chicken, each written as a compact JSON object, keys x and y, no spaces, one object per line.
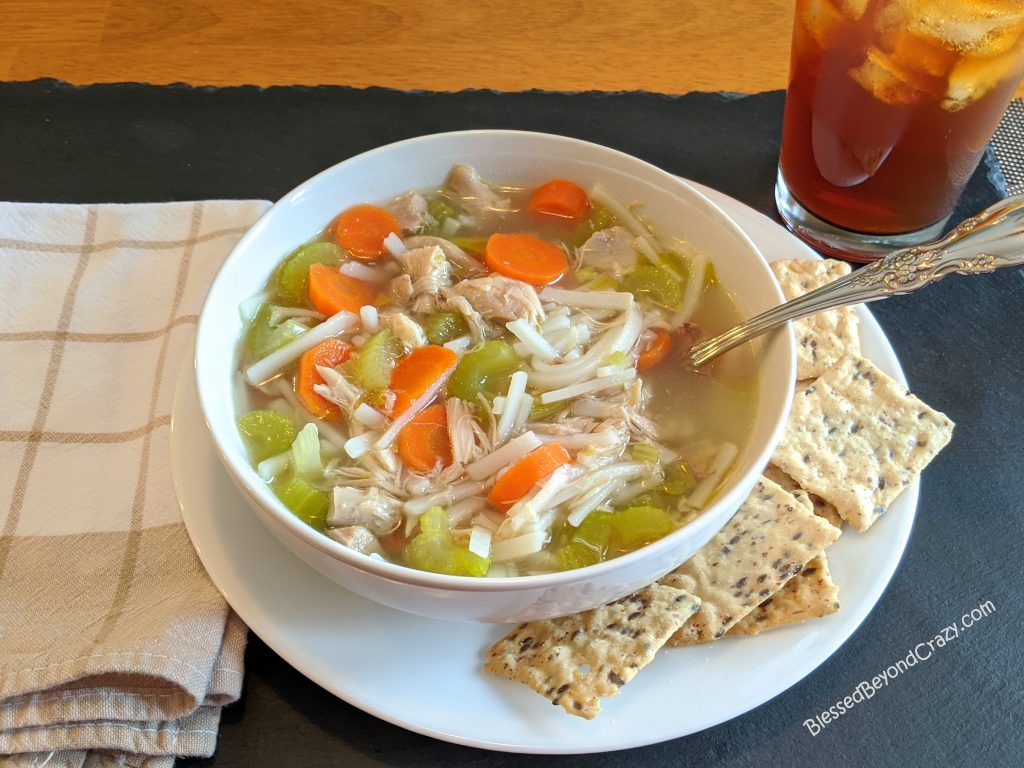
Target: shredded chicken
{"x":569,"y":426}
{"x":400,"y":289}
{"x":601,"y":454}
{"x":411,"y":212}
{"x":500,"y":298}
{"x":408,"y":331}
{"x":428,"y":268}
{"x":464,"y":264}
{"x":477,"y":327}
{"x":370,"y":507}
{"x":337,"y":389}
{"x":356,"y":537}
{"x":461,"y":432}
{"x":610,"y":250}
{"x":476,"y":196}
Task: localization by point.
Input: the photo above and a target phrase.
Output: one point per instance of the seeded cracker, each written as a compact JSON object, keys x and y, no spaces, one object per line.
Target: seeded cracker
{"x":810,"y":594}
{"x":818,"y":505}
{"x":615,"y":641}
{"x":857,"y":438}
{"x":825,"y":338}
{"x":768,"y":541}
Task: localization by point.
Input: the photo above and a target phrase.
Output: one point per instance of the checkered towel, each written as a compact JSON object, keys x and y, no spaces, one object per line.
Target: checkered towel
{"x":115,"y":648}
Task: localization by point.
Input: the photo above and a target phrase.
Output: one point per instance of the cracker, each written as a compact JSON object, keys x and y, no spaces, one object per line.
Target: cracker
{"x":818,"y":505}
{"x":576,"y":660}
{"x":825,"y":338}
{"x":811,"y":594}
{"x":769,"y":539}
{"x":857,"y":438}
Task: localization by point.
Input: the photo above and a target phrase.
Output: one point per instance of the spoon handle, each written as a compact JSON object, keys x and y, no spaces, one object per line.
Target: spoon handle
{"x":993,"y":238}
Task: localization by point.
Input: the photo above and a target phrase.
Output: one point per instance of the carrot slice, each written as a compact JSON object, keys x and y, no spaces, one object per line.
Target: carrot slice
{"x":327,"y":353}
{"x":522,"y":476}
{"x":526,"y":258}
{"x":330,"y":291}
{"x":415,"y":372}
{"x":361,"y":230}
{"x":560,"y":199}
{"x":424,"y":440}
{"x":656,"y":350}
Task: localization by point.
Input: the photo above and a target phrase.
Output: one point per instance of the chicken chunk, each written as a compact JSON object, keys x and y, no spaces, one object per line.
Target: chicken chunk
{"x":411,"y":212}
{"x":371,"y":508}
{"x":408,"y":331}
{"x":428,"y":269}
{"x":356,"y":537}
{"x":400,"y":289}
{"x":476,"y":196}
{"x":478,"y":329}
{"x":500,"y":298}
{"x":573,"y":425}
{"x":464,"y":264}
{"x":610,"y":250}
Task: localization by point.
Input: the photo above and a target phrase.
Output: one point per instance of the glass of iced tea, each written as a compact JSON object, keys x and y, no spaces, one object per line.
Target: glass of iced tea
{"x":890,"y":106}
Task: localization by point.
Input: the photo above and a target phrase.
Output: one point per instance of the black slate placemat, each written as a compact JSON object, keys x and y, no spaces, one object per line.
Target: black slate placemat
{"x":961,"y":344}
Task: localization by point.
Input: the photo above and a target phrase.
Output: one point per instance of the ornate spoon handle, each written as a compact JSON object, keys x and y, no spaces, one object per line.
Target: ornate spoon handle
{"x":994,"y":238}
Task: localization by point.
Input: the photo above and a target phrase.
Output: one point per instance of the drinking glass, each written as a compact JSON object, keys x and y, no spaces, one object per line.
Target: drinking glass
{"x":890,"y":106}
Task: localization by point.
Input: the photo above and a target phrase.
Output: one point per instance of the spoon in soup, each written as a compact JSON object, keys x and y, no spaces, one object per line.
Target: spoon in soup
{"x":993,"y":238}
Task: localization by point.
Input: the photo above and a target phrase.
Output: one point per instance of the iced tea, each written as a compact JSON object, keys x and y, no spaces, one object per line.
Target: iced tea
{"x":891,"y":104}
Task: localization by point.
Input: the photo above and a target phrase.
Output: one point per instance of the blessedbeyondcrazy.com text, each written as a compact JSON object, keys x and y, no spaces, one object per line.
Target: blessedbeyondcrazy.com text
{"x":920,"y":653}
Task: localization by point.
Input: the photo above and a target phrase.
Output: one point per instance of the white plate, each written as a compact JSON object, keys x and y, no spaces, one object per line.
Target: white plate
{"x":426,"y":675}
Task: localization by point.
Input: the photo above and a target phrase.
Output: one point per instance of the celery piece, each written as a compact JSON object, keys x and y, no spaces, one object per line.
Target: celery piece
{"x":654,"y":284}
{"x":619,"y":360}
{"x":577,"y":554}
{"x":541,"y":411}
{"x":596,"y":530}
{"x":432,"y":549}
{"x":645,"y":452}
{"x":473,"y":245}
{"x":306,"y":451}
{"x":679,"y":479}
{"x":442,"y":327}
{"x":586,"y":274}
{"x":266,"y":433}
{"x":634,"y":527}
{"x":482,"y":366}
{"x":376,"y":360}
{"x":263,"y":338}
{"x":294,"y":272}
{"x":440,"y":211}
{"x":306,"y":502}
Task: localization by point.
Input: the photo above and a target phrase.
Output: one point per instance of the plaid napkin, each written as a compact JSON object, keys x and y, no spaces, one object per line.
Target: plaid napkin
{"x":115,"y":648}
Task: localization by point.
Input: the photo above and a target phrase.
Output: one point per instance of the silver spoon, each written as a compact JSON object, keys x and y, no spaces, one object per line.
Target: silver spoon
{"x":993,"y":238}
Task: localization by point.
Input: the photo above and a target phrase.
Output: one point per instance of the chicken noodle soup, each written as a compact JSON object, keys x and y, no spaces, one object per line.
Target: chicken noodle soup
{"x":487,"y":380}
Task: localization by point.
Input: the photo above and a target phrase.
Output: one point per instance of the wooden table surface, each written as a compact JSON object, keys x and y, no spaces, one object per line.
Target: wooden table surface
{"x":670,"y":46}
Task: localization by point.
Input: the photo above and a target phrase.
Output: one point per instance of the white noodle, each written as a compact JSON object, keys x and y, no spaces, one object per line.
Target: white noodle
{"x":557,"y":323}
{"x":369,"y":417}
{"x":335,"y":325}
{"x":589,"y":503}
{"x":460,"y":511}
{"x":588,"y":299}
{"x":694,"y":288}
{"x":579,"y":442}
{"x":535,"y":343}
{"x":511,"y":405}
{"x":525,"y":406}
{"x":586,"y":387}
{"x":270,"y":468}
{"x":509,"y":453}
{"x":521,"y":546}
{"x":723,"y":460}
{"x":371,"y":322}
{"x":374,"y":275}
{"x":394,"y":245}
{"x":459,"y":344}
{"x":360,"y":445}
{"x":595,"y":409}
{"x":498,"y":405}
{"x":528,"y":509}
{"x":453,"y":493}
{"x":600,"y":194}
{"x":480,"y":541}
{"x":280,"y":314}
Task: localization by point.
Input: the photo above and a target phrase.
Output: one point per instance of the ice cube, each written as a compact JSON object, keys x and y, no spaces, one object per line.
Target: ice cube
{"x":854,"y":9}
{"x":979,"y":27}
{"x":975,"y":76}
{"x":821,"y":18}
{"x":884,"y":78}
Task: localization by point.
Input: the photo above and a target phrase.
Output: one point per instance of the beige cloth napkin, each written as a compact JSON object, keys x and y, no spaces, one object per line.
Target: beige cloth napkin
{"x":115,"y":647}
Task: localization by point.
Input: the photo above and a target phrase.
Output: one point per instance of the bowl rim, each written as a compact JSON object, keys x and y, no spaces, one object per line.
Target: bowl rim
{"x":243,"y":474}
